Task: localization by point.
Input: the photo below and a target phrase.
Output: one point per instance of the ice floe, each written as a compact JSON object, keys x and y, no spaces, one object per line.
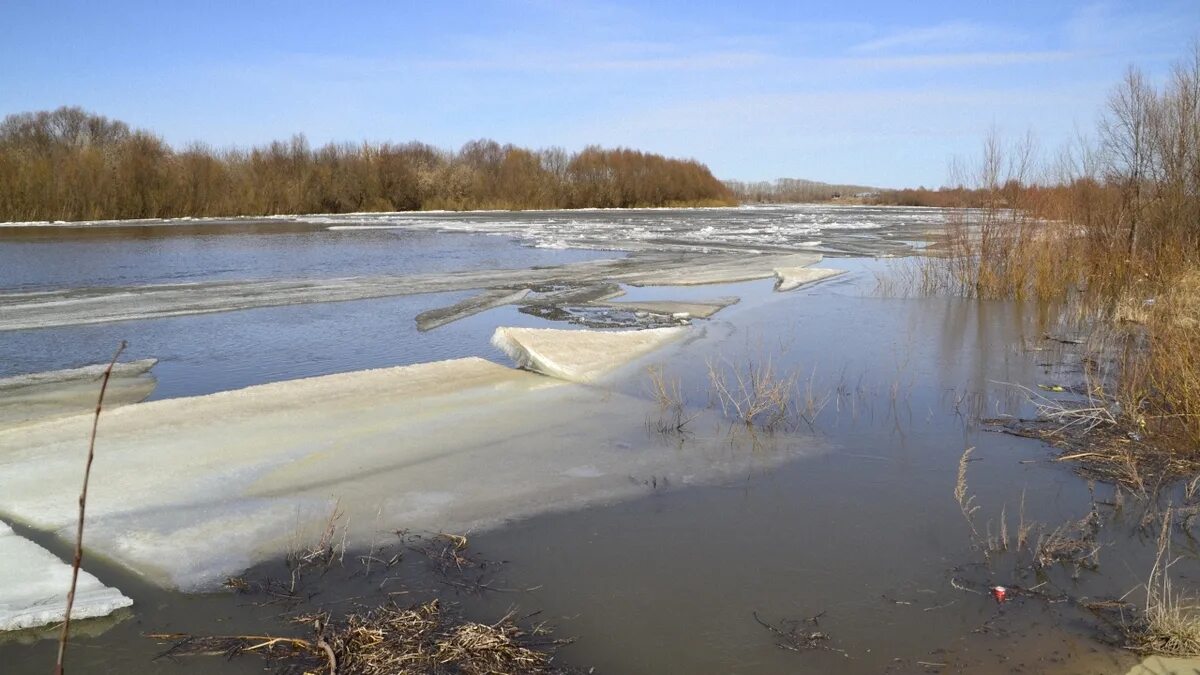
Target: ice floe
{"x":189,"y":491}
{"x":34,"y":585}
{"x":579,"y":355}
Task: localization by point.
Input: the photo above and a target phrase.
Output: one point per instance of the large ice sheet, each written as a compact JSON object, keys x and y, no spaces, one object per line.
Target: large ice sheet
{"x":579,"y":355}
{"x":34,"y":584}
{"x":189,"y":491}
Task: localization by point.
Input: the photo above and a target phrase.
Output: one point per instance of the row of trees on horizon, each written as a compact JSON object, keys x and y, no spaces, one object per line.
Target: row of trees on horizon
{"x":796,"y":190}
{"x":69,"y":164}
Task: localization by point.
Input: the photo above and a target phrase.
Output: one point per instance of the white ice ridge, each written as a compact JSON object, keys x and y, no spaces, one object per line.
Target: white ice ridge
{"x":791,"y":278}
{"x":578,"y":355}
{"x":34,"y":585}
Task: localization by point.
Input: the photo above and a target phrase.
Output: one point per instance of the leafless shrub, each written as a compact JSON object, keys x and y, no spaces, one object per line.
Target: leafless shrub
{"x":753,"y":391}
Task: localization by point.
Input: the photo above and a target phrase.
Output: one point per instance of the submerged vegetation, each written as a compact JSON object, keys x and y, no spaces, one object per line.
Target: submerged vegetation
{"x":69,"y":164}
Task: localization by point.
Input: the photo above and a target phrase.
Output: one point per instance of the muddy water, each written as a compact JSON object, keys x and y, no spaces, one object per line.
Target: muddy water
{"x":865,"y":533}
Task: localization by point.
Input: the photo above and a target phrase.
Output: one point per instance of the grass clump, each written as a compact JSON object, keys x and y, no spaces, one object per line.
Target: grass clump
{"x":1170,"y":624}
{"x":425,"y":639}
{"x":391,"y":640}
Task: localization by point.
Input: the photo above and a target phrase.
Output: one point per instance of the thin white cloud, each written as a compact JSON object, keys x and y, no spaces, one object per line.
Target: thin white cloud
{"x":552,"y":62}
{"x":954,"y":60}
{"x":941,"y":36}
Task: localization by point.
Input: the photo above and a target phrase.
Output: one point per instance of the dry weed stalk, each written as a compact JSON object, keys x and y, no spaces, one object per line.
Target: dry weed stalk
{"x":966,"y":502}
{"x":330,"y":548}
{"x":77,"y":561}
{"x":1171,"y":623}
{"x":1023,"y":527}
{"x":668,"y":394}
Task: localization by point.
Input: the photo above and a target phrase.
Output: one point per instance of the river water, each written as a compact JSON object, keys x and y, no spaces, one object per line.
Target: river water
{"x":865,"y":533}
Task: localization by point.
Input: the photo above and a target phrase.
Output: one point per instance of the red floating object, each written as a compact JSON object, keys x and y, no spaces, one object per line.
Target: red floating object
{"x":999,"y":593}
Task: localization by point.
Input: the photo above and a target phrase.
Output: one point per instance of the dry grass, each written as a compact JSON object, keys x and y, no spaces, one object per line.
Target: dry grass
{"x":423,"y":639}
{"x":1073,"y":544}
{"x":1171,"y":621}
{"x":1161,"y":380}
{"x":672,"y":406}
{"x":391,"y":641}
{"x":318,"y":556}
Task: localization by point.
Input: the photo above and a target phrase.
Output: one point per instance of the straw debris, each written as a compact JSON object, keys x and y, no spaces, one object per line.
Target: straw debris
{"x":391,"y":640}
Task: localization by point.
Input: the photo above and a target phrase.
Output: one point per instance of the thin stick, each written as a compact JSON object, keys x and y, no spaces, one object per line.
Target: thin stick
{"x":87,"y":472}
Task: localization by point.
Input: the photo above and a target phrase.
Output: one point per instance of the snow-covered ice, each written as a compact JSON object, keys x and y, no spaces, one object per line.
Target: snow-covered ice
{"x":579,"y":355}
{"x":34,"y":584}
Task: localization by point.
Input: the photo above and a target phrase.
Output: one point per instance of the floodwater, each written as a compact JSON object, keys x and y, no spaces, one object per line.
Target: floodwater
{"x":865,"y":533}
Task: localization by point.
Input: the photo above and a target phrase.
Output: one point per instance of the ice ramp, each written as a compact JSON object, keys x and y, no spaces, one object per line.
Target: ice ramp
{"x":34,"y":585}
{"x":579,"y":355}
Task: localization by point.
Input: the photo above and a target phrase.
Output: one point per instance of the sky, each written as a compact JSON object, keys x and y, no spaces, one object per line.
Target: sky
{"x":879,"y":93}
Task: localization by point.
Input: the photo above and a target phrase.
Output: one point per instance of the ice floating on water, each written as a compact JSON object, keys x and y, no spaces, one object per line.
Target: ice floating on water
{"x":723,"y":270}
{"x":189,"y":491}
{"x":34,"y":585}
{"x":90,"y":373}
{"x":41,"y":309}
{"x":701,"y":309}
{"x":57,"y":393}
{"x":578,"y":355}
{"x":435,"y":318}
{"x":791,"y":278}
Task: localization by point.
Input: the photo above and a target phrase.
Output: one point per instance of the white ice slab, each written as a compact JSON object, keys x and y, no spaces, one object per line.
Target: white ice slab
{"x":34,"y":585}
{"x":578,"y":355}
{"x":188,"y":491}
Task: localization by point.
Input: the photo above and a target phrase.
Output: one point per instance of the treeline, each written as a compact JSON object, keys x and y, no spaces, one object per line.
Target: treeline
{"x":69,"y":164}
{"x":944,"y":197}
{"x":795,"y":191}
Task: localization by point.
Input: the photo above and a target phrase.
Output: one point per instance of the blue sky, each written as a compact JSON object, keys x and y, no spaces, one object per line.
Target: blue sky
{"x":879,"y":92}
